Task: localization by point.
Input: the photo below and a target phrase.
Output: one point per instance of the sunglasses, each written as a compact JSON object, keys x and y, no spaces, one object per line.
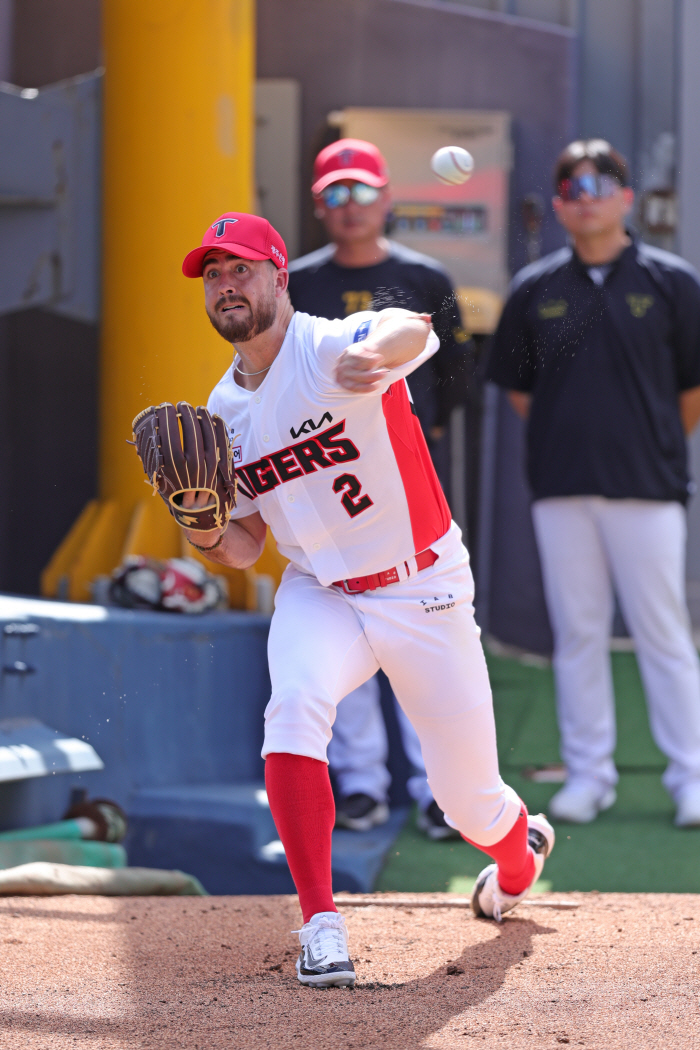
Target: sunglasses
{"x":336,"y":195}
{"x":597,"y":186}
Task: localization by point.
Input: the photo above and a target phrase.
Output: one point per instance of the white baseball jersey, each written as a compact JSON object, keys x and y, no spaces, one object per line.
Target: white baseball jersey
{"x":344,"y":480}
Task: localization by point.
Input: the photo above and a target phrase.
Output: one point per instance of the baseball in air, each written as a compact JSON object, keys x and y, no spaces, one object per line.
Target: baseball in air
{"x":452,"y":165}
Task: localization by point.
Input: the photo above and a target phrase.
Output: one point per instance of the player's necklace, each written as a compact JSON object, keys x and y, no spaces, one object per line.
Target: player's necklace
{"x":238,"y":367}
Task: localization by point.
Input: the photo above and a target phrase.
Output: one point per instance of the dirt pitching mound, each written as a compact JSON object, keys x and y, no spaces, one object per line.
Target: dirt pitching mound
{"x":618,"y":971}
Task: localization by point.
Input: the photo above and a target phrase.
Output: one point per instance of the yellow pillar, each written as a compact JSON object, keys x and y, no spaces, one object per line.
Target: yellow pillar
{"x":178,"y":151}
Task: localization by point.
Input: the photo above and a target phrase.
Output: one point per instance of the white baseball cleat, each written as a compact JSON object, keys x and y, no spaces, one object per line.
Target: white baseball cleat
{"x":688,"y":811}
{"x":488,"y":899}
{"x":323,"y":961}
{"x":580,"y":802}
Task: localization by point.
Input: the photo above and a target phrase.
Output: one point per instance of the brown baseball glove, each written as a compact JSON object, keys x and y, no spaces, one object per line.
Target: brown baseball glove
{"x":187,"y":450}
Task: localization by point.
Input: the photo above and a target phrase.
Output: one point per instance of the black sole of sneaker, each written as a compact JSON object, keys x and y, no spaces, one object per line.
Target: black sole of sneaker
{"x":476,"y":907}
{"x":537,"y":842}
{"x":337,"y":981}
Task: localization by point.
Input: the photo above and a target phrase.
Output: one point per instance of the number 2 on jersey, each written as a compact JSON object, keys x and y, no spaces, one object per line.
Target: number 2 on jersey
{"x":351,"y":499}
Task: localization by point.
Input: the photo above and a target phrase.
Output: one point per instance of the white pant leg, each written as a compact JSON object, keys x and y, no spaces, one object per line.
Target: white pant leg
{"x":425,"y":637}
{"x":417,"y":785}
{"x":318,"y":653}
{"x":358,"y":750}
{"x":579,"y":597}
{"x":645,"y":541}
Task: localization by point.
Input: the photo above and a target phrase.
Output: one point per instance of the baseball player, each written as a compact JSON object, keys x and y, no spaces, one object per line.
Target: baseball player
{"x":330,"y":456}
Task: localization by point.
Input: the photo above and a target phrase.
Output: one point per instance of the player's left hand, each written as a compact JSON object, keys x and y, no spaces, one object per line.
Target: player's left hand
{"x":360,"y":368}
{"x":194,"y":500}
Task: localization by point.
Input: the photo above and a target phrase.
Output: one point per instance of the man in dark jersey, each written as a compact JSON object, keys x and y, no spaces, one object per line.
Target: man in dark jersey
{"x":599,"y":347}
{"x":361,"y":269}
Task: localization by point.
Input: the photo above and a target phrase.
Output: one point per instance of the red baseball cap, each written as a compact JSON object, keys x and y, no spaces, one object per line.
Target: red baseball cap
{"x":248,"y":236}
{"x":349,"y":159}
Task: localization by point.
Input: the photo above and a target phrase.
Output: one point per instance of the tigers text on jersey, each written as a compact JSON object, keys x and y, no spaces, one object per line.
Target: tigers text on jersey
{"x":343,"y":479}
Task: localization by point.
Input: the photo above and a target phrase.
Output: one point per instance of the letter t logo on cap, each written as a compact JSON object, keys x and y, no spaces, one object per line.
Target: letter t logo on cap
{"x":220,"y":226}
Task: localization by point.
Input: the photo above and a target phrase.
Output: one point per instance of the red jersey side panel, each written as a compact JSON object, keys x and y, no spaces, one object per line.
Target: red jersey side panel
{"x":427,"y":507}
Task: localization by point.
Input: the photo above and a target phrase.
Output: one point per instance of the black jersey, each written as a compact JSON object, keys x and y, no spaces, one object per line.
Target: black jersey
{"x":318,"y":286}
{"x":605,"y":356}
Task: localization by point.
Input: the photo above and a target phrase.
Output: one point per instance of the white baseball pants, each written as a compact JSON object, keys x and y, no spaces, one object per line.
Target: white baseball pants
{"x":589,"y":545}
{"x":325,"y":643}
{"x":359,"y":748}
{"x":417,"y":785}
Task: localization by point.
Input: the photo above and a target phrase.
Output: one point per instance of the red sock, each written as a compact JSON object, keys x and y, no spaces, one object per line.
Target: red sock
{"x":301,"y":801}
{"x":515,"y":859}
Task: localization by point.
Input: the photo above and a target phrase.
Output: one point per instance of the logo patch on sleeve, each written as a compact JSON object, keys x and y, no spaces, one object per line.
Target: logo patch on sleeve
{"x":362,"y":332}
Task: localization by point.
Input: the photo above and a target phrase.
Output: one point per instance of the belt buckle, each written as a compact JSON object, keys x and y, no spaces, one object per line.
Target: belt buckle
{"x":349,"y":589}
{"x":370,"y":582}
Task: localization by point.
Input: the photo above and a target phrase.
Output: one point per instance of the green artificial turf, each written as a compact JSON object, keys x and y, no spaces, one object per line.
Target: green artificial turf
{"x":633,"y":847}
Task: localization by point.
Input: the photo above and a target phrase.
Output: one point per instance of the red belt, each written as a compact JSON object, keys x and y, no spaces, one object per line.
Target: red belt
{"x":382,"y":579}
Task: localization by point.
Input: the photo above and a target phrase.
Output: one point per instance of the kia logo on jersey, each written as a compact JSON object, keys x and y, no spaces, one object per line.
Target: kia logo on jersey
{"x":220,"y":226}
{"x":310,"y":423}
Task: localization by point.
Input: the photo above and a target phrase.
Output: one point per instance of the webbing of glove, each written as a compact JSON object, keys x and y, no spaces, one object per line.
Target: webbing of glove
{"x":182,"y":450}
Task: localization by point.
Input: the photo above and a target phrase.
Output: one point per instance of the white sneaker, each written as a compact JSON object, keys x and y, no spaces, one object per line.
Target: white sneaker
{"x":580,"y":802}
{"x":488,"y":899}
{"x":323,"y":961}
{"x":688,"y":812}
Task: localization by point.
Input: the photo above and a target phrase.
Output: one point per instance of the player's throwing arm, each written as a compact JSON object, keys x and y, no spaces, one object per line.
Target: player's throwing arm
{"x":399,"y":337}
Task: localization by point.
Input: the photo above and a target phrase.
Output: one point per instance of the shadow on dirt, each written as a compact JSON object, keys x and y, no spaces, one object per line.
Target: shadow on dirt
{"x":218,"y":974}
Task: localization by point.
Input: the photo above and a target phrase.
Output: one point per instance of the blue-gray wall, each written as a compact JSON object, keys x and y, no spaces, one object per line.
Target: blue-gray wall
{"x":164,"y":699}
{"x":430,"y":55}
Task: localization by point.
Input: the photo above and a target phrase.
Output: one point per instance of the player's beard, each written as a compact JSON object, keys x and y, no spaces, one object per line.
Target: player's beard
{"x":237,"y":329}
